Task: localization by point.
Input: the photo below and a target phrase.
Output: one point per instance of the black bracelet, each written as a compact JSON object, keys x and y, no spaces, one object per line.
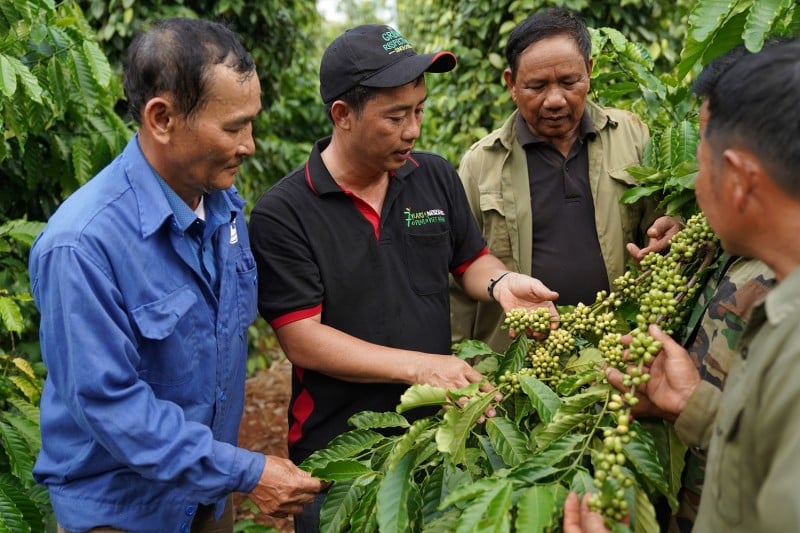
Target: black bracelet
{"x":493,"y":282}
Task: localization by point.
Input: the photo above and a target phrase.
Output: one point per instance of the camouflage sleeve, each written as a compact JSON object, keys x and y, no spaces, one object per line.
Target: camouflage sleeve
{"x":744,"y":284}
{"x":725,"y":307}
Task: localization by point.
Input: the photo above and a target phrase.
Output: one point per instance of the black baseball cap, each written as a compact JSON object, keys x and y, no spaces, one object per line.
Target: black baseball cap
{"x":374,"y":55}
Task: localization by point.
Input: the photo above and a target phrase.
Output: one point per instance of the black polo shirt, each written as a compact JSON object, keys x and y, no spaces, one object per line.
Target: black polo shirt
{"x":381,"y":279}
{"x":566,"y":250}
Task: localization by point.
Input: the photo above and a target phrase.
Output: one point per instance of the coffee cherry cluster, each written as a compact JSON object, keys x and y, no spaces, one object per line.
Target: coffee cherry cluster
{"x":686,"y":243}
{"x":508,"y":382}
{"x":595,"y":319}
{"x":613,"y":350}
{"x":533,"y":320}
{"x":546,"y":356}
{"x":664,"y":290}
{"x":660,"y":290}
{"x":610,"y":476}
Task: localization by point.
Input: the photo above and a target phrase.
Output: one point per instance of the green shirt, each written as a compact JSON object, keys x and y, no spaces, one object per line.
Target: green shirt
{"x":753,"y":469}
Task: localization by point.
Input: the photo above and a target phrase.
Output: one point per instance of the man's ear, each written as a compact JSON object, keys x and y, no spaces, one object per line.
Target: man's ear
{"x":745,"y":174}
{"x":342,"y":115}
{"x":159,"y":118}
{"x":509,"y":79}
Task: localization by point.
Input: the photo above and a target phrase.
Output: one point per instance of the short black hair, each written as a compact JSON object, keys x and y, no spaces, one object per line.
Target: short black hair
{"x":174,"y":57}
{"x":358,"y":96}
{"x":547,"y":23}
{"x":753,"y":105}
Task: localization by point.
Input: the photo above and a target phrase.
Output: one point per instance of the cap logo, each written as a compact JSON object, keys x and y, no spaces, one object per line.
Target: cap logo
{"x":394,"y":42}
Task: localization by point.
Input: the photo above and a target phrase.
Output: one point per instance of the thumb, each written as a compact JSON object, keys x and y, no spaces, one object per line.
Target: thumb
{"x":668,"y":344}
{"x":658,"y":334}
{"x":541,"y":290}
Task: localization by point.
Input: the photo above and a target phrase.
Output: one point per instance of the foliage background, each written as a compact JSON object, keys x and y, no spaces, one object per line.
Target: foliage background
{"x":62,"y":118}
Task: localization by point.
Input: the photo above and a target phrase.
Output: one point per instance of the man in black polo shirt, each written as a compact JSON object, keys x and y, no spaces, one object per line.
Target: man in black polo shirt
{"x":354,"y":248}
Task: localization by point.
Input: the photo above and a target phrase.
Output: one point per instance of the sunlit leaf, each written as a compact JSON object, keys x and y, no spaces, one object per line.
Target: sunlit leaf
{"x":760,"y":20}
{"x":421,"y":395}
{"x":469,"y":349}
{"x":341,"y":470}
{"x":10,"y":314}
{"x":707,"y":16}
{"x":451,"y":436}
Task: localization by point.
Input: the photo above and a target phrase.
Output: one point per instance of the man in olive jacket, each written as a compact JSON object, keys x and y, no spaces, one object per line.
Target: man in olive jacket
{"x":749,"y":189}
{"x":546,"y":186}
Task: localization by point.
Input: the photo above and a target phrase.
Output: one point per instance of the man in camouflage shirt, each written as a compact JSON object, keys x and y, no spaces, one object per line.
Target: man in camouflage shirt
{"x":737,"y":286}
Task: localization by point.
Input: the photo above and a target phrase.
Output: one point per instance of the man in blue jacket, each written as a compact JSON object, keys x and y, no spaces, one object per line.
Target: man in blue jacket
{"x":146,"y":286}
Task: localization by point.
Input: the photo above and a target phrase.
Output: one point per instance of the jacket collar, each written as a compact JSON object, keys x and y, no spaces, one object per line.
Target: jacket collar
{"x":504,"y":137}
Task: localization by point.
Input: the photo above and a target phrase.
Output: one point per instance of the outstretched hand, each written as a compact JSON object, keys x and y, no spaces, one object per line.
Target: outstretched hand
{"x":659,"y":235}
{"x":673,"y":378}
{"x":520,"y":291}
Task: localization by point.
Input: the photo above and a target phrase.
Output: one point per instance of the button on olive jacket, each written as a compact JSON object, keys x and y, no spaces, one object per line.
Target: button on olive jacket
{"x":495,"y":175}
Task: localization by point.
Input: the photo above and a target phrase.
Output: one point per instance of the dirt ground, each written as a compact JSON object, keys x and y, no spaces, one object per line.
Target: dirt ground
{"x":264,"y":428}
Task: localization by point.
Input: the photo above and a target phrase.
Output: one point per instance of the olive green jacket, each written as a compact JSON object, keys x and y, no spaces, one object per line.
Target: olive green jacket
{"x":751,"y":479}
{"x":495,"y":176}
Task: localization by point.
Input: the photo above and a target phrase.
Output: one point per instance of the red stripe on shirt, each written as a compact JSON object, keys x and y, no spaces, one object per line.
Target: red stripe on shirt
{"x":460,"y":269}
{"x":301,"y":410}
{"x":294,"y":316}
{"x":308,"y":178}
{"x":365,"y":209}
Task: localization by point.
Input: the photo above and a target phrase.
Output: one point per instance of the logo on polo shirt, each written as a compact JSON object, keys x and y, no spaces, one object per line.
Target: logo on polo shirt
{"x":421,"y":218}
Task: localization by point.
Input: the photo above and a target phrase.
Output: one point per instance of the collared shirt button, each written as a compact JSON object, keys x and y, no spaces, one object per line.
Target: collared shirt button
{"x":744,"y":352}
{"x":185,"y":527}
{"x":190,"y":510}
{"x":222,"y":395}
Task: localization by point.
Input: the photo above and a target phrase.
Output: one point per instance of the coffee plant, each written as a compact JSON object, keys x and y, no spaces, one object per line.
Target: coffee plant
{"x":559,"y":427}
{"x":24,"y":506}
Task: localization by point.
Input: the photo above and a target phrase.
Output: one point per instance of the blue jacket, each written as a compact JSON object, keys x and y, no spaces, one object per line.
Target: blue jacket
{"x":146,"y":366}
